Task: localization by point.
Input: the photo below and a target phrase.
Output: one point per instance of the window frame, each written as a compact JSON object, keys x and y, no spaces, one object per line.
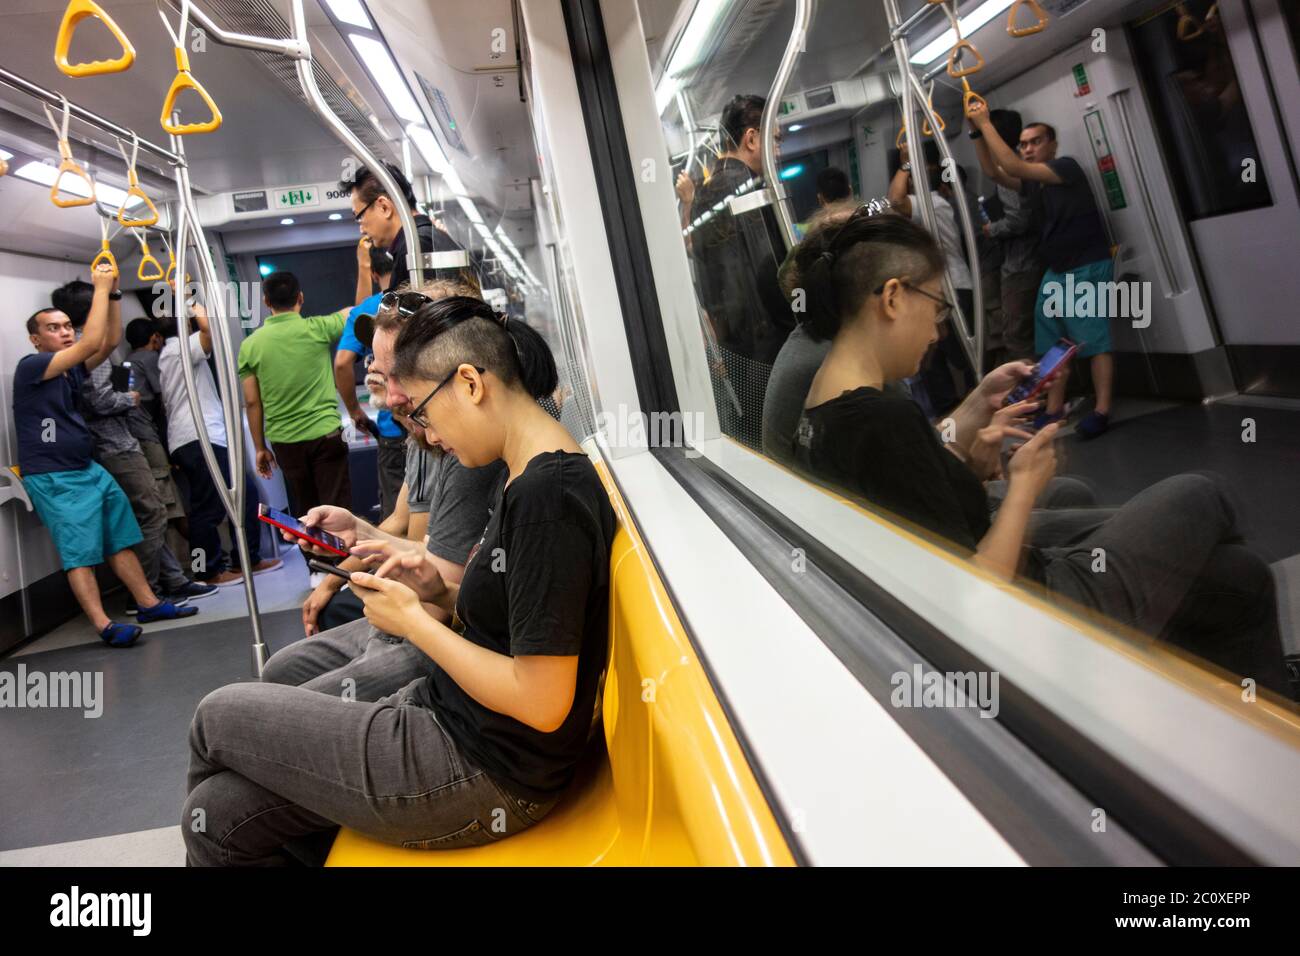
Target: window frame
{"x":1150,"y":805}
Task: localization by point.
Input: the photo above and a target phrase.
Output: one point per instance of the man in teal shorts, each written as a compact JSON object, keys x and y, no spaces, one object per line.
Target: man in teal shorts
{"x":84,"y":509}
{"x":1072,"y":303}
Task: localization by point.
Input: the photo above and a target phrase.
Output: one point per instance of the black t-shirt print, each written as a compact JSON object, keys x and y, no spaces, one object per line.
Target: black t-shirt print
{"x":536,"y":584}
{"x":880,"y":448}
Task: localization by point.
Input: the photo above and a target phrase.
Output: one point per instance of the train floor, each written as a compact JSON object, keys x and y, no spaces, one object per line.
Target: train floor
{"x":108,"y":791}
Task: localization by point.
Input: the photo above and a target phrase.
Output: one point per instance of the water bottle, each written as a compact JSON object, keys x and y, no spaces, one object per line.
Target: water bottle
{"x":984,"y":213}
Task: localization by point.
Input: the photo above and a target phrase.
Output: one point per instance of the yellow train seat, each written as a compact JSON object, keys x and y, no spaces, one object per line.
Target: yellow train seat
{"x":665,"y":784}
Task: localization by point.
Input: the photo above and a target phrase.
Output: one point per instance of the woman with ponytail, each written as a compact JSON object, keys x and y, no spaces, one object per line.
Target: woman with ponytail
{"x":874,"y":288}
{"x":483,"y":746}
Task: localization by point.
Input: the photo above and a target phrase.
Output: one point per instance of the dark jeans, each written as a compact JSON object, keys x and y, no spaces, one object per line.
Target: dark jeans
{"x":353,"y":659}
{"x":1175,"y":568}
{"x":207,"y":512}
{"x":392,"y":473}
{"x":315,"y":472}
{"x":1019,"y":295}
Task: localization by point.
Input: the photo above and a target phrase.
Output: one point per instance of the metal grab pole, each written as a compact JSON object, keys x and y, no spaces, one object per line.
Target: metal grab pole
{"x":298,"y":48}
{"x":232,"y":495}
{"x":921,"y":186}
{"x":772,"y":112}
{"x":80,"y":112}
{"x":972,"y":340}
{"x":307,"y":80}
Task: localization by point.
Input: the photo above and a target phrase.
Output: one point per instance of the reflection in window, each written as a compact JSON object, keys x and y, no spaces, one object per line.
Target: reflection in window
{"x":1199,"y":112}
{"x":736,"y":246}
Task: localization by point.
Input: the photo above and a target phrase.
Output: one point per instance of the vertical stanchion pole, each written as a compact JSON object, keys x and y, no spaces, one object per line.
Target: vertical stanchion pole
{"x":973,"y":344}
{"x":232,"y":494}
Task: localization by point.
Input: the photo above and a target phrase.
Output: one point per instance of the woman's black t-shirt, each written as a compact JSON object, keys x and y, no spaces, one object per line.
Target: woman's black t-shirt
{"x":537,"y":583}
{"x":881,"y":448}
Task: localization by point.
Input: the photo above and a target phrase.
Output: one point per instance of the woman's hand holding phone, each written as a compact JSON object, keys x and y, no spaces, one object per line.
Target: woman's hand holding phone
{"x":391,"y":606}
{"x":1035,"y":462}
{"x":413,"y":566}
{"x":1008,"y":422}
{"x":998,"y":383}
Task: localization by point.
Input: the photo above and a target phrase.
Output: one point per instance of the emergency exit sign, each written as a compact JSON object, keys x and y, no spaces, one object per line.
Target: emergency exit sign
{"x":296,"y":197}
{"x":1081,"y":85}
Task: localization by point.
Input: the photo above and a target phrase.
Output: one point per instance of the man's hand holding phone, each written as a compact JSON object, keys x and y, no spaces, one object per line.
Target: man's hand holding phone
{"x":337,"y":521}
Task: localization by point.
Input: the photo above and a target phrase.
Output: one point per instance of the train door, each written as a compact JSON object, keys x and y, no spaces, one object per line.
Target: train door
{"x":1222,"y":84}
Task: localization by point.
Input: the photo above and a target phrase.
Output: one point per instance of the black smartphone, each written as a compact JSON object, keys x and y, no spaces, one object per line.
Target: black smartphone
{"x":329,"y":569}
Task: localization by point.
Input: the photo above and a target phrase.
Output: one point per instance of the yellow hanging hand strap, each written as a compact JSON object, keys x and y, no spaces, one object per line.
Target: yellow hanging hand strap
{"x":105,"y":253}
{"x":925,"y":123}
{"x":955,"y":54}
{"x":134,"y":182}
{"x":184,"y":80}
{"x":970,"y":98}
{"x":147,"y":259}
{"x":1035,"y":9}
{"x":66,"y":163}
{"x":77,"y":11}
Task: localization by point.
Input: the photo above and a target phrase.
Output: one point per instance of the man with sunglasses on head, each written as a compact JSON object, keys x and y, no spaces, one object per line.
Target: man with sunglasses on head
{"x":377,"y":216}
{"x":456,"y":503}
{"x":374,"y":266}
{"x":1073,"y":243}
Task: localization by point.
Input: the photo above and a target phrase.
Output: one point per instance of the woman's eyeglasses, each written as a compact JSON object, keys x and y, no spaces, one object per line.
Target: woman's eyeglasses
{"x":416,"y":414}
{"x":944,"y":314}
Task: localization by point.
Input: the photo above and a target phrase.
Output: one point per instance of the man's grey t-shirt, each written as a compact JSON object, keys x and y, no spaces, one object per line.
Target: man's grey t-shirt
{"x":787,"y":387}
{"x":460,"y":503}
{"x":419,"y":477}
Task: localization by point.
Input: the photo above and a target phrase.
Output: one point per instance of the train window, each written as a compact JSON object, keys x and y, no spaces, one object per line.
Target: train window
{"x":1199,"y":112}
{"x":832,"y":355}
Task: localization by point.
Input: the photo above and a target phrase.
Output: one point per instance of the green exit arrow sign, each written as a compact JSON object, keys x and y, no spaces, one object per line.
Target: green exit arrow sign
{"x":296,"y":197}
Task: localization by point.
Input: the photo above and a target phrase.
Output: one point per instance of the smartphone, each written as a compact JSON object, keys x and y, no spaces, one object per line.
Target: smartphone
{"x":329,"y":569}
{"x":287,"y":522}
{"x":120,"y":377}
{"x":1051,"y":362}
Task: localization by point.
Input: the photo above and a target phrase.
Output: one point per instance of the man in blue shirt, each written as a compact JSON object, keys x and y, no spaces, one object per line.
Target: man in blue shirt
{"x":1074,"y":246}
{"x":86,"y":512}
{"x":391,"y":437}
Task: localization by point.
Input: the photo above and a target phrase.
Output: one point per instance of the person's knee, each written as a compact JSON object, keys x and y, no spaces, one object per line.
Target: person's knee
{"x":1204,"y":494}
{"x":279,"y":667}
{"x":211,"y":711}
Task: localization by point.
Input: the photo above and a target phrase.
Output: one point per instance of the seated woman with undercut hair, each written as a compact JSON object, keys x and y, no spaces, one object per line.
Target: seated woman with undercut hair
{"x":1176,"y":566}
{"x":483,"y":746}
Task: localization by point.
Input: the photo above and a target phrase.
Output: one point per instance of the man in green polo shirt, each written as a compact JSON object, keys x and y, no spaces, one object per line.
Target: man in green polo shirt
{"x":288,"y":376}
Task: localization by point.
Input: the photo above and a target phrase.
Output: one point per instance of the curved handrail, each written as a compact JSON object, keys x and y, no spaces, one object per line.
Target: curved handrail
{"x":772,"y":111}
{"x":77,"y":11}
{"x":232,"y":494}
{"x":972,"y":336}
{"x":911,"y":86}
